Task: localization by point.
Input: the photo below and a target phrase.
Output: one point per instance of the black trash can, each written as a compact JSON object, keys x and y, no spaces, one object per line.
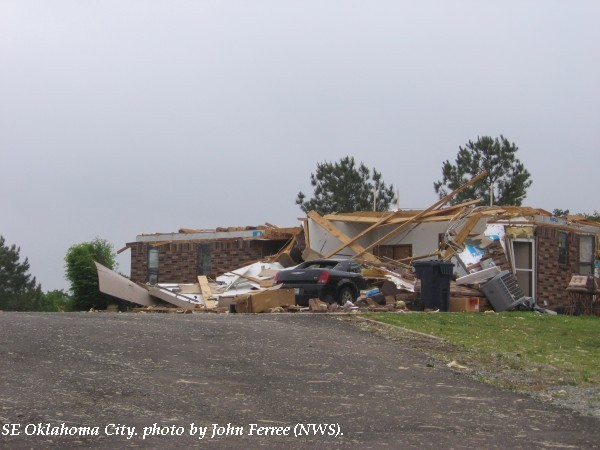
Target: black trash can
{"x":435,"y":279}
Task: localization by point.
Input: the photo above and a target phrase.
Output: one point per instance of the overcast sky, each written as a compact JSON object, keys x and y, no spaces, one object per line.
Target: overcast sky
{"x":136,"y":116}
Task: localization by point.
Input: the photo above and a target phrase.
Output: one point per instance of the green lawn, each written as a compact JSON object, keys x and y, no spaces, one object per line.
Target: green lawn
{"x":554,"y":349}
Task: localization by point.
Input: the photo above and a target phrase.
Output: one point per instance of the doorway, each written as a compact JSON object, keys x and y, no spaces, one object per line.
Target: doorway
{"x":523,"y":262}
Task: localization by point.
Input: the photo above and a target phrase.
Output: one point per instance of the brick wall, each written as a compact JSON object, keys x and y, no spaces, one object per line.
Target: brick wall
{"x":553,"y":277}
{"x":178,"y":261}
{"x":139,"y":262}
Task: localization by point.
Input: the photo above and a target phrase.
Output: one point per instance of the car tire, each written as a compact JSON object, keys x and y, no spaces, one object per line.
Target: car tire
{"x":345,"y":294}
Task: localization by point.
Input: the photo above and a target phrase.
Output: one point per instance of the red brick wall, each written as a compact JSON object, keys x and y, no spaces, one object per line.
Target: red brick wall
{"x":178,"y":260}
{"x":553,"y":277}
{"x":139,"y":261}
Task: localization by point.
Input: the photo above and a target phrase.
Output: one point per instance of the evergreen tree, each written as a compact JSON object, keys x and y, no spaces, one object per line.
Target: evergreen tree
{"x":560,"y":212}
{"x":505,"y":183}
{"x":343,"y":187}
{"x":19,"y":291}
{"x":81,"y":273}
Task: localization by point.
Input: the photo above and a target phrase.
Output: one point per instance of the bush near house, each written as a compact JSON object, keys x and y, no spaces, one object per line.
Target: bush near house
{"x":81,"y":273}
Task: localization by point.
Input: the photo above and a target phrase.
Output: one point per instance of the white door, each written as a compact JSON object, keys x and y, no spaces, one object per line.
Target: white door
{"x":523,"y":262}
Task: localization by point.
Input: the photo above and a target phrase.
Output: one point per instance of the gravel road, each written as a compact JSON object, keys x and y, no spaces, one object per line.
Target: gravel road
{"x":104,"y":380}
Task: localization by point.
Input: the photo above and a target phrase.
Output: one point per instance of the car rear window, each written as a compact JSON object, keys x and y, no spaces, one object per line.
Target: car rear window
{"x":320,"y":265}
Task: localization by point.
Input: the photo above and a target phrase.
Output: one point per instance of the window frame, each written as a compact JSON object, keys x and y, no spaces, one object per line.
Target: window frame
{"x":153,"y":264}
{"x":586,"y":267}
{"x":204,"y":255}
{"x":563,"y":248}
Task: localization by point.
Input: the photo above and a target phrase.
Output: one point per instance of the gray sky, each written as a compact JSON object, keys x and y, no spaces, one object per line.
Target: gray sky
{"x":136,"y":116}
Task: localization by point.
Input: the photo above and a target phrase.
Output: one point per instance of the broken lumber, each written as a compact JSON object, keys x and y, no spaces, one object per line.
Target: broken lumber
{"x":462,"y":235}
{"x":262,"y":283}
{"x":204,"y":287}
{"x":436,"y":205}
{"x":349,"y":242}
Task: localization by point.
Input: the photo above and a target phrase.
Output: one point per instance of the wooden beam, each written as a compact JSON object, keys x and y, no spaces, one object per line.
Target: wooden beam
{"x":204,"y":287}
{"x":399,"y":220}
{"x":406,"y":215}
{"x":436,"y":205}
{"x":287,"y":248}
{"x":466,"y":229}
{"x":123,"y":249}
{"x":463,"y":234}
{"x":354,"y":218}
{"x":345,"y":244}
{"x":348,"y":242}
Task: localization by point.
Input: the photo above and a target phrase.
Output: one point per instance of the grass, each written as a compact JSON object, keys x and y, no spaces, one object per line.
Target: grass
{"x":550,"y":350}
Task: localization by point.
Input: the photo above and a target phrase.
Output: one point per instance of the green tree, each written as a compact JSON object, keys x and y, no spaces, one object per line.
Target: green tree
{"x":505,"y":183}
{"x":56,"y":300}
{"x":560,"y":212}
{"x":19,"y":291}
{"x":81,"y":273}
{"x":343,"y":187}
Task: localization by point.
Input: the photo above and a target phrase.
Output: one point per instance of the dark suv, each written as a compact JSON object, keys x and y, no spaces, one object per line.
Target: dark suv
{"x":331,"y":280}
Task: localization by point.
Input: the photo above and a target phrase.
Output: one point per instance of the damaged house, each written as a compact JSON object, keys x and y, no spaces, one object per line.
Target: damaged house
{"x":539,"y":252}
{"x":173,"y":269}
{"x":181,"y":257}
{"x":503,"y":256}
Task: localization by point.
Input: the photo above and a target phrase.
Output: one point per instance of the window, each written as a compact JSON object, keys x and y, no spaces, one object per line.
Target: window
{"x":204,"y":266}
{"x":563,"y":248}
{"x":586,"y":255}
{"x":153,"y":265}
{"x":331,"y":264}
{"x":355,"y":268}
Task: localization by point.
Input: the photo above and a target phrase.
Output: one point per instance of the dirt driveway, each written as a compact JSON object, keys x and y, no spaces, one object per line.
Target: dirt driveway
{"x":231,"y":381}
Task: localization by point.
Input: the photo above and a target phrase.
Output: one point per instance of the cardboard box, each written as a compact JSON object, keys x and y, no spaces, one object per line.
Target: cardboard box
{"x":463,"y":304}
{"x":260,"y":301}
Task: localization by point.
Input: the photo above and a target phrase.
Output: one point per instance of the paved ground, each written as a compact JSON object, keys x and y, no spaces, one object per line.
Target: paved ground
{"x":333,"y":384}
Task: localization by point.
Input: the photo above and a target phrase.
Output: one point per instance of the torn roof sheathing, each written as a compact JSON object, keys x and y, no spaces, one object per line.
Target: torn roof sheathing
{"x":118,"y":286}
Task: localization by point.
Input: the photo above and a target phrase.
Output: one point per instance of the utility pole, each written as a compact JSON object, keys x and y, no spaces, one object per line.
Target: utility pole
{"x":374,"y":199}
